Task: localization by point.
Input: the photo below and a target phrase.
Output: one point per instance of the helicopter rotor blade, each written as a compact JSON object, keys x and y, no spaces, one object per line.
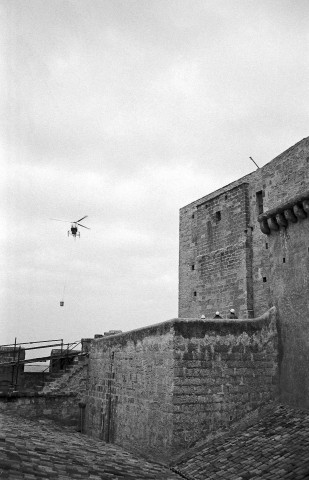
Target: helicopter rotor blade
{"x":81,"y":219}
{"x":83,"y":226}
{"x":58,"y":220}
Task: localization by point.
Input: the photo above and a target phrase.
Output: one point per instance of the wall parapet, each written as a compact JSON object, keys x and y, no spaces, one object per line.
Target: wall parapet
{"x":191,"y":325}
{"x":290,"y":212}
{"x":236,"y":324}
{"x":135,"y":335}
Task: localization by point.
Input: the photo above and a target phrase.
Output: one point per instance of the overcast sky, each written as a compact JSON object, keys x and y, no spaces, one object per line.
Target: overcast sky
{"x":126,"y":111}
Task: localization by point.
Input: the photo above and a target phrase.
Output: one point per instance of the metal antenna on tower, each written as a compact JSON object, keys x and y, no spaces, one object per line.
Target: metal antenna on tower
{"x":254,"y":162}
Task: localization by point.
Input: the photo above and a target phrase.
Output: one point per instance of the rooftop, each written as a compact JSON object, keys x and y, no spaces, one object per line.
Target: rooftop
{"x":274,"y":448}
{"x":42,"y":450}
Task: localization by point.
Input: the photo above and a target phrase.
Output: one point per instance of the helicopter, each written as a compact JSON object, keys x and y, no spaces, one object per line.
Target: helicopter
{"x":74,"y":228}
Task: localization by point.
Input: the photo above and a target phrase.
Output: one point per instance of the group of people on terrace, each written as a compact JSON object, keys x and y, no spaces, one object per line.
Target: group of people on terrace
{"x":231,"y":314}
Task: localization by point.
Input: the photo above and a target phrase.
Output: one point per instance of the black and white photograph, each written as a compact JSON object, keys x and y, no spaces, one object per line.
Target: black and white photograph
{"x":154,"y":239}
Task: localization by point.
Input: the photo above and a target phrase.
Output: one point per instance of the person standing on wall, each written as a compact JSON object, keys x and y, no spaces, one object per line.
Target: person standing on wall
{"x":217,"y":315}
{"x":232,"y":314}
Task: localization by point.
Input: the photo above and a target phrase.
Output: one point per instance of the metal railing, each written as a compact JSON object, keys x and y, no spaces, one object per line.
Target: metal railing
{"x":16,"y":351}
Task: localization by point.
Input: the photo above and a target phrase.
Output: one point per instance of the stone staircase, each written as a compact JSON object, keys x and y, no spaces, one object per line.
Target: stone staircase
{"x":73,"y":380}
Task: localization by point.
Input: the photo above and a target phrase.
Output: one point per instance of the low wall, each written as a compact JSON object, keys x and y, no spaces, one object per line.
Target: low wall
{"x":63,"y":409}
{"x":159,"y":389}
{"x":129,"y":399}
{"x":223,"y":370}
{"x":32,"y":380}
{"x":59,"y":400}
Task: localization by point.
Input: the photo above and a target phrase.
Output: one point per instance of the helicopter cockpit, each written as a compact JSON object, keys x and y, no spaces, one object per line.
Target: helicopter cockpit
{"x":74,"y":231}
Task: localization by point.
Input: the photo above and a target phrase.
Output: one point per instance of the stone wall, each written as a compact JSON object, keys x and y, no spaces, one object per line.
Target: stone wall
{"x":158,"y":389}
{"x":58,"y":400}
{"x":33,"y":380}
{"x":281,"y":179}
{"x":224,"y":369}
{"x":218,"y":264}
{"x":63,"y":409}
{"x":289,"y":283}
{"x":129,"y":398}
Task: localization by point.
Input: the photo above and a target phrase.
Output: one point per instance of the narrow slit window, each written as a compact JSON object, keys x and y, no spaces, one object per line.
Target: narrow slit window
{"x":194,"y":293}
{"x":218,"y":216}
{"x":192,"y":267}
{"x":259,"y":202}
{"x":264,"y":279}
{"x":266,"y":246}
{"x":283,"y":260}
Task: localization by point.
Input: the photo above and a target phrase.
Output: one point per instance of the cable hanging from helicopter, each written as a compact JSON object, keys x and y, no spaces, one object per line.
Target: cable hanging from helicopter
{"x":74,"y":233}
